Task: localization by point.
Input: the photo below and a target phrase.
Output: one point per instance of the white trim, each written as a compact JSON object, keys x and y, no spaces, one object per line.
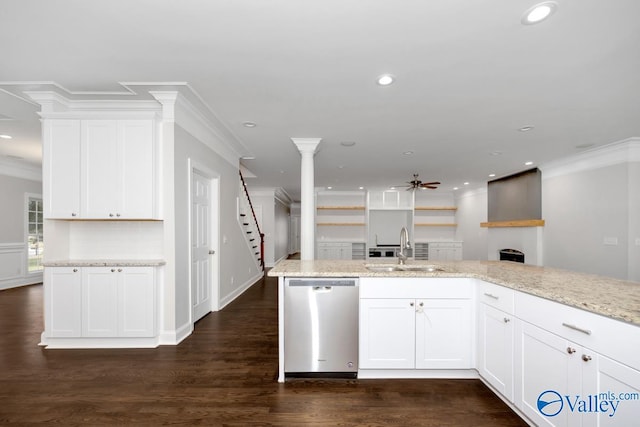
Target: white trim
{"x":417,"y":373}
{"x":176,"y":336}
{"x":210,"y":133}
{"x":21,"y":170}
{"x":240,"y":290}
{"x":620,"y":152}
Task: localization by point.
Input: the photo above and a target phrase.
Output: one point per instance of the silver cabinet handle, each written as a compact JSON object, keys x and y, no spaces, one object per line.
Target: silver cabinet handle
{"x":111,"y":215}
{"x":586,"y":357}
{"x":491,"y":296}
{"x":118,"y":215}
{"x":571,"y":350}
{"x":575,"y":328}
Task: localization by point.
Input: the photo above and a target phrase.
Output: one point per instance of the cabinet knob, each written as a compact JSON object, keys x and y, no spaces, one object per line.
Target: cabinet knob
{"x":75,"y":270}
{"x":421,"y":304}
{"x":74,"y":214}
{"x":506,"y":320}
{"x":113,"y":270}
{"x":586,"y":357}
{"x":118,"y":215}
{"x":111,"y":215}
{"x":119,"y":270}
{"x":571,"y":350}
{"x":411,"y":304}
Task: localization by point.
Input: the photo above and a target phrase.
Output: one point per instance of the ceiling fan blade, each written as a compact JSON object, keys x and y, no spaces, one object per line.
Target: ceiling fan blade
{"x":431,"y":183}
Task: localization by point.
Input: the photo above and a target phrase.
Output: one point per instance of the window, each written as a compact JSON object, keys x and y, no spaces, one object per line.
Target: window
{"x":35,"y":244}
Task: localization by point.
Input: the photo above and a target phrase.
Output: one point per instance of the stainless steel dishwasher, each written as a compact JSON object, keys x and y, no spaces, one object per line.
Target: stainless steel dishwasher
{"x":321,"y":327}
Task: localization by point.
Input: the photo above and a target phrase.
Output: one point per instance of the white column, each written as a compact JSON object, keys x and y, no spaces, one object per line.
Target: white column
{"x":307,"y":148}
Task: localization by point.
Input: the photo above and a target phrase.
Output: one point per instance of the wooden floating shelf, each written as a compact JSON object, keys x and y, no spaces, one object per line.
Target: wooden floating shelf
{"x":342,"y":223}
{"x":520,"y":223}
{"x":436,"y":224}
{"x":436,"y":208}
{"x":345,"y":208}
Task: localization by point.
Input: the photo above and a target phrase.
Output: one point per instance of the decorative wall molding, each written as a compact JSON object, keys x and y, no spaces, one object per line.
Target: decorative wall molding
{"x":625,"y":151}
{"x":20,"y":170}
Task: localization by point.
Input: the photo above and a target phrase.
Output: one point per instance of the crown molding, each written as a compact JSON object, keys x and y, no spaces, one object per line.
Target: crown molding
{"x":18,"y":169}
{"x":625,"y":151}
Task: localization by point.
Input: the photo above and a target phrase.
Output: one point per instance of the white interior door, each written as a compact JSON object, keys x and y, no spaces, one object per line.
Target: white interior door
{"x":202,"y":249}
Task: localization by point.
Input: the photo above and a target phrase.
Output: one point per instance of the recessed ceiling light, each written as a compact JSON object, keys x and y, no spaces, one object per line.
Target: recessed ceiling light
{"x":385,"y":79}
{"x":329,"y":188}
{"x":360,"y":188}
{"x":6,"y":136}
{"x":539,"y":12}
{"x":392,"y":188}
{"x":348,"y":143}
{"x":491,"y":175}
{"x":249,"y":124}
{"x":408,"y":153}
{"x":528,"y":163}
{"x":465,"y":183}
{"x":495,"y":153}
{"x":525,"y":128}
{"x":455,"y":188}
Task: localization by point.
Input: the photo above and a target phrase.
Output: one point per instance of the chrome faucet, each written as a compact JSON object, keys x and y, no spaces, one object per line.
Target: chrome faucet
{"x":404,"y":244}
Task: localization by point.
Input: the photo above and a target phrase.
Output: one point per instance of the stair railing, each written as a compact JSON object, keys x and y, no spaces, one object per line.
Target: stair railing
{"x":255,"y":219}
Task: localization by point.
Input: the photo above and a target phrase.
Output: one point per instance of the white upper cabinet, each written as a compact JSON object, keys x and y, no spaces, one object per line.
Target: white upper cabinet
{"x":117,"y":169}
{"x":61,"y":168}
{"x":100,"y":169}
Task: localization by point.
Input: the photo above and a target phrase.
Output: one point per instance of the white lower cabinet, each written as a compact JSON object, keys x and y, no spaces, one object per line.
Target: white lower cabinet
{"x":433,"y":330}
{"x":63,"y":308}
{"x":574,"y":368}
{"x":107,"y":302}
{"x":334,"y":250}
{"x":495,"y":349}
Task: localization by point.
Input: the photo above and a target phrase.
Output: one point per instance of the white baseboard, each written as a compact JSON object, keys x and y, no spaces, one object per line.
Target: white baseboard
{"x":240,"y":290}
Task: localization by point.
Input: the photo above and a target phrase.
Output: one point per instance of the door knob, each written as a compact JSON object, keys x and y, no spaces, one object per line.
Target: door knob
{"x":211,"y":252}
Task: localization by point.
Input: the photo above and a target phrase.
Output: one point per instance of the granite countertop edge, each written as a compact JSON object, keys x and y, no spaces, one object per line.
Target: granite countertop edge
{"x":613,"y":298}
{"x":106,"y":263}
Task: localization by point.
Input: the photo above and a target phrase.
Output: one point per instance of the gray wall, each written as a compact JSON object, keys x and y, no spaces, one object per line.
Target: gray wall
{"x":275,"y":225}
{"x":13,"y":271}
{"x":237,"y":267}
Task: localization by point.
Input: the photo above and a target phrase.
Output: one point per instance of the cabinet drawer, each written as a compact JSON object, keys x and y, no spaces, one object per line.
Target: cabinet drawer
{"x":403,"y":287}
{"x":496,"y":296}
{"x":609,"y":337}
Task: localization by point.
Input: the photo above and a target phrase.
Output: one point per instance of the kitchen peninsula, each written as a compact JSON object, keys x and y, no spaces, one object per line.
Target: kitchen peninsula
{"x":521,"y":329}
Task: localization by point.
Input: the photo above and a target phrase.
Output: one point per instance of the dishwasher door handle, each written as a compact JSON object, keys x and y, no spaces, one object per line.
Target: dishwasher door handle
{"x":322,"y":288}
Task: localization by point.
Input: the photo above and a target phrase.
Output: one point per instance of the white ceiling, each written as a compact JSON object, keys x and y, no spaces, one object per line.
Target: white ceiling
{"x":469,"y":75}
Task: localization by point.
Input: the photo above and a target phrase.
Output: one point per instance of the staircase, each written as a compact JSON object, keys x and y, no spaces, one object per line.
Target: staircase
{"x":249,"y":223}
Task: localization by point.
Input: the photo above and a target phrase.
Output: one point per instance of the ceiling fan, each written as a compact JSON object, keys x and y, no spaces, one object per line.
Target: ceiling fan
{"x":417,"y":184}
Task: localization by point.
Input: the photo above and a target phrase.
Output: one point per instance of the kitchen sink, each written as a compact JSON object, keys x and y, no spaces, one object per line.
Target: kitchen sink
{"x":403,"y":267}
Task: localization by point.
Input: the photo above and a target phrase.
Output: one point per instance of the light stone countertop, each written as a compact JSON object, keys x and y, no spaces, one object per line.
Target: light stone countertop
{"x":105,"y":263}
{"x":617,"y":299}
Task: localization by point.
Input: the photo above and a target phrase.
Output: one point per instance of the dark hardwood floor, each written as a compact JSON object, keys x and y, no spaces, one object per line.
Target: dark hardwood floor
{"x":223,"y":374}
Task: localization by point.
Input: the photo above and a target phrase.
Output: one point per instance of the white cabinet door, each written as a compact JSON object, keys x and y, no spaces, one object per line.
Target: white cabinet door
{"x":617,"y":388}
{"x":99,"y":302}
{"x":547,"y":370}
{"x":135,"y":169}
{"x":63,"y":304}
{"x":118,"y":180}
{"x":495,"y":349}
{"x":136,"y":302}
{"x":444,"y":334}
{"x":61,"y":168}
{"x":99,"y":161}
{"x":387,"y":334}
